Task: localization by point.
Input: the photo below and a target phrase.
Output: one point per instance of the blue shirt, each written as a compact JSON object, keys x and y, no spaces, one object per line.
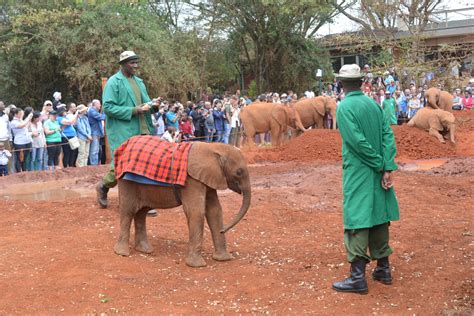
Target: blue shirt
{"x":218,"y":120}
{"x":95,"y":122}
{"x":68,"y":130}
{"x":170,"y":117}
{"x":83,"y":128}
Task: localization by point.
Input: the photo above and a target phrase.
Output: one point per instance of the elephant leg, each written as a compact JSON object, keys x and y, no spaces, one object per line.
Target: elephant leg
{"x":318,"y":121}
{"x":121,"y":247}
{"x":194,"y":208}
{"x":141,"y":239}
{"x":434,"y":132}
{"x":215,"y":222}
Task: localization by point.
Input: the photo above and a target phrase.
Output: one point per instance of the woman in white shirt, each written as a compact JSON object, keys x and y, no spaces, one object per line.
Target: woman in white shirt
{"x":39,"y":142}
{"x":413,"y":106}
{"x":21,"y":138}
{"x":235,"y":126}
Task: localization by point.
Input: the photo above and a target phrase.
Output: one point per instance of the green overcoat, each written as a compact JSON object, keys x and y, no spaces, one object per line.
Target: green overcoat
{"x":118,"y":102}
{"x":389,"y":107}
{"x":368,"y":149}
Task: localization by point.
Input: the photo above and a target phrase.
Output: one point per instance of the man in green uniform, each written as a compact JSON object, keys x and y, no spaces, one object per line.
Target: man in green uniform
{"x":368,"y":152}
{"x":127,"y":107}
{"x":389,"y":106}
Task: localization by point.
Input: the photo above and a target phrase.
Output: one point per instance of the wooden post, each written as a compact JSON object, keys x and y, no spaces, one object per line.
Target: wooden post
{"x":108,"y":159}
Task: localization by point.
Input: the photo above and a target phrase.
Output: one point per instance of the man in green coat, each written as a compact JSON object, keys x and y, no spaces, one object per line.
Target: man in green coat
{"x":127,"y":107}
{"x":389,"y":106}
{"x":368,"y":152}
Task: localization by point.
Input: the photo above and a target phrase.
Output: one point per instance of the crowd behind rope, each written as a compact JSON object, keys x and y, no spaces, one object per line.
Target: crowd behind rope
{"x":40,"y":140}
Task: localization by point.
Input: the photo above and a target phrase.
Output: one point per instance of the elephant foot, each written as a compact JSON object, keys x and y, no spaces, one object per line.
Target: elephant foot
{"x":222,"y":256}
{"x":122,"y":249}
{"x":195,"y":261}
{"x":144,"y":247}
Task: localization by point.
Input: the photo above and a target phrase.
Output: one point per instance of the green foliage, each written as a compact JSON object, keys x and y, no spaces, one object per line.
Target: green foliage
{"x":69,"y":50}
{"x":252,"y":90}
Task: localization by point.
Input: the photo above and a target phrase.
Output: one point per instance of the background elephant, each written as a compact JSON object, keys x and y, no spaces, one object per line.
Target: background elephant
{"x":436,"y":121}
{"x":439,"y":99}
{"x":211,"y":167}
{"x":310,"y":112}
{"x":261,"y":117}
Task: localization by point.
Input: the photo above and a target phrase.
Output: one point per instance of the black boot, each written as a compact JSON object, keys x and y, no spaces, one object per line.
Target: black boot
{"x":382,"y":271}
{"x":356,"y":283}
{"x":102,"y":191}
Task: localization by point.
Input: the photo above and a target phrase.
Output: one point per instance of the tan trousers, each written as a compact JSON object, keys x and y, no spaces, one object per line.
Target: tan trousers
{"x":84,"y":147}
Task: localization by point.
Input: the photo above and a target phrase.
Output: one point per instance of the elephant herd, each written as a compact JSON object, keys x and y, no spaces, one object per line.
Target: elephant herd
{"x":277,"y":119}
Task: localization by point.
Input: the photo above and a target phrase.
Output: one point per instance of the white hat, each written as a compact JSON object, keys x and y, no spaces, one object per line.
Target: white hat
{"x":351,"y":71}
{"x":127,"y":56}
{"x":471,"y":80}
{"x":284,"y":95}
{"x":386,"y":73}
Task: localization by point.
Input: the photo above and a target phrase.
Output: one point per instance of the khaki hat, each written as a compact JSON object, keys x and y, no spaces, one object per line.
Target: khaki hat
{"x":127,"y":56}
{"x":81,"y":108}
{"x":351,"y":71}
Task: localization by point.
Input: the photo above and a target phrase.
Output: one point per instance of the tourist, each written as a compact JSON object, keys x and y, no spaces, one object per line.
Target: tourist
{"x":457,"y":104}
{"x":96,"y":122}
{"x":21,"y":138}
{"x":466,"y":100}
{"x":84,"y":135}
{"x":5,"y":156}
{"x":67,"y":122}
{"x":5,"y":131}
{"x":413,"y":105}
{"x":209,"y":128}
{"x":52,"y":133}
{"x":38,"y":143}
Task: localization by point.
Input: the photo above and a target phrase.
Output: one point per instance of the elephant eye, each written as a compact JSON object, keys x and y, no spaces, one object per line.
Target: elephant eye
{"x":239,"y":172}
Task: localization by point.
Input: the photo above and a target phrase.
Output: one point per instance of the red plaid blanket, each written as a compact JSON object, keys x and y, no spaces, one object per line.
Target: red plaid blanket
{"x":153,"y":158}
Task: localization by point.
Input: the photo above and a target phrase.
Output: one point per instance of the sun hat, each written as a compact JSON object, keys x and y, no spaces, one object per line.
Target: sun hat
{"x":471,"y":80}
{"x":127,"y":56}
{"x":387,"y":92}
{"x":350,"y":71}
{"x":81,"y":108}
{"x":47,"y":102}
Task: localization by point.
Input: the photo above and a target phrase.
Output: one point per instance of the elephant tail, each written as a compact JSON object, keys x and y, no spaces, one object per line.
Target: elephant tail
{"x":298,"y":122}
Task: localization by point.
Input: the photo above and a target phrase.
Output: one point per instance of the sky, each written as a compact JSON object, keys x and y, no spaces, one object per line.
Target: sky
{"x":343,"y":24}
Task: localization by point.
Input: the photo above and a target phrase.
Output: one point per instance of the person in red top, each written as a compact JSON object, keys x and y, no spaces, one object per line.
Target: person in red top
{"x":367,"y":86}
{"x":466,"y":100}
{"x":185,"y":127}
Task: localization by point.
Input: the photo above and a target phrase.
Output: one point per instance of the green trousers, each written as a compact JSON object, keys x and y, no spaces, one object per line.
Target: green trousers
{"x":109,"y":179}
{"x":375,"y":239}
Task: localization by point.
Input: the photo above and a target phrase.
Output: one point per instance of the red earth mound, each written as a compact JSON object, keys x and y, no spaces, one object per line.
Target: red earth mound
{"x":412,"y":144}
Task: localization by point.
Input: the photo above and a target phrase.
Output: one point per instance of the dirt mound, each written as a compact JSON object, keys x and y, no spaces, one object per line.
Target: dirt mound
{"x":412,"y":144}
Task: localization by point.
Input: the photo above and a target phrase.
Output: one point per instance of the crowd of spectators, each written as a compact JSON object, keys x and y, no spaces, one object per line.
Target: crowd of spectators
{"x":39,"y":140}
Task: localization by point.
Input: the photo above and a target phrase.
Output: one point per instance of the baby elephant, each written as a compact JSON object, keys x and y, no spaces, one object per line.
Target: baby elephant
{"x":436,"y":122}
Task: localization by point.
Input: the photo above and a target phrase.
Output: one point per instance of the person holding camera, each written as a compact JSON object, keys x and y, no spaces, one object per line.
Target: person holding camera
{"x":128,"y":110}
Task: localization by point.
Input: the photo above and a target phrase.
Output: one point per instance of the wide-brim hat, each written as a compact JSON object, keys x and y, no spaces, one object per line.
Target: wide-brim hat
{"x":349,"y":72}
{"x":127,"y":55}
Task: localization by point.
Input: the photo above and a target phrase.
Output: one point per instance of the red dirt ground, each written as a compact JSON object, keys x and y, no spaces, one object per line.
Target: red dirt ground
{"x":56,"y":255}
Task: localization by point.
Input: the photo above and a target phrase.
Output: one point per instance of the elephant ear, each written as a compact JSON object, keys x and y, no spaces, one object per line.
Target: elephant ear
{"x":205,"y":164}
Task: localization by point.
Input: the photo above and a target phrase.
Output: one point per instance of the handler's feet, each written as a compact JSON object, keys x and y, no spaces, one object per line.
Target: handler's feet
{"x":102,"y":191}
{"x":356,"y":283}
{"x":382,"y":271}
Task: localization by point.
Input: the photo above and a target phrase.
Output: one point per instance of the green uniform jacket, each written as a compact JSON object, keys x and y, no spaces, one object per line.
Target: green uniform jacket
{"x":119,"y":101}
{"x":368,"y":149}
{"x":389,"y":107}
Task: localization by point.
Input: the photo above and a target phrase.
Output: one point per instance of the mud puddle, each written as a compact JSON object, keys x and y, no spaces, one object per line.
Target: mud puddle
{"x":422,"y":165}
{"x":46,"y":191}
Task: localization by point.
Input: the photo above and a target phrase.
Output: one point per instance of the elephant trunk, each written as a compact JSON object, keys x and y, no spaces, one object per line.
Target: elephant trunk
{"x":246,"y":197}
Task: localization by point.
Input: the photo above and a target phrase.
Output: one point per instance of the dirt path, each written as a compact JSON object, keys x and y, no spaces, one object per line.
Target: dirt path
{"x":56,"y":256}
